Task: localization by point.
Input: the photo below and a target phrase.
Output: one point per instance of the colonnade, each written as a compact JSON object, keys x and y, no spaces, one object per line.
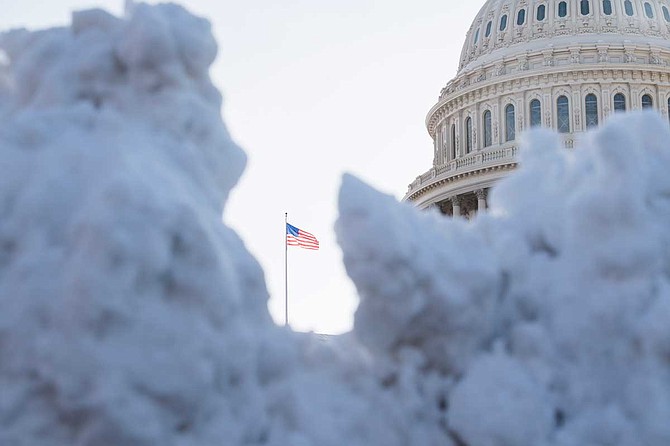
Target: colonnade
{"x":465,"y":205}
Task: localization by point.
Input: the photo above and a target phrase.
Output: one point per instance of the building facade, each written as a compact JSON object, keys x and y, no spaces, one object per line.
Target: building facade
{"x":561,"y":64}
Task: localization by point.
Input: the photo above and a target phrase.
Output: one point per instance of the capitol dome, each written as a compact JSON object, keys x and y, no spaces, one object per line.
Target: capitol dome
{"x":561,"y":64}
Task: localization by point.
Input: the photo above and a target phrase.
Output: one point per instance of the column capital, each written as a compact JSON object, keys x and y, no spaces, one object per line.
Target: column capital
{"x":482,"y":194}
{"x":455,"y":200}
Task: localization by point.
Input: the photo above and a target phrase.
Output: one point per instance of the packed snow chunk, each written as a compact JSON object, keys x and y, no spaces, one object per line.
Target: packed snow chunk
{"x":127,"y":311}
{"x":508,"y":407}
{"x":548,"y":315}
{"x":420,"y":285}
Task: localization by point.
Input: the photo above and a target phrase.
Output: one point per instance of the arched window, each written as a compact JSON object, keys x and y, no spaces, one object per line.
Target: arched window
{"x":619,"y":102}
{"x":477,"y":36}
{"x":468,"y":135}
{"x":562,"y":9}
{"x":563,"y":114}
{"x":453,"y":141}
{"x":535,"y":113}
{"x":607,"y":7}
{"x":510,"y":125}
{"x":488,"y":140}
{"x":666,"y":14}
{"x":628,"y":7}
{"x":488,"y":29}
{"x":521,"y":17}
{"x":591,"y":106}
{"x":647,"y":101}
{"x":585,"y":7}
{"x":541,"y":13}
{"x":648,"y":10}
{"x":503,"y":23}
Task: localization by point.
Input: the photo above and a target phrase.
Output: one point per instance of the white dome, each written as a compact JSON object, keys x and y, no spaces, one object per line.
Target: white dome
{"x":566,"y":65}
{"x":506,"y":27}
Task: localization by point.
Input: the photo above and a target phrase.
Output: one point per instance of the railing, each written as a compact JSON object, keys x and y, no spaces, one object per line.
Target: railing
{"x":475,"y":161}
{"x":468,"y":163}
{"x":499,"y":154}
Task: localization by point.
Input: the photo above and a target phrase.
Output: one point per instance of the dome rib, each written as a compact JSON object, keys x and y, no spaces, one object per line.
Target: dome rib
{"x":499,"y":30}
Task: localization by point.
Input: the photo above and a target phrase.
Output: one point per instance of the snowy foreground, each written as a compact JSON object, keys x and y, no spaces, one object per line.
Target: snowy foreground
{"x":129,"y":316}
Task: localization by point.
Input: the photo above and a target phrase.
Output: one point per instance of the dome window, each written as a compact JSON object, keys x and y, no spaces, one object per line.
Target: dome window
{"x":488,"y":29}
{"x":510,"y":126}
{"x":591,"y":106}
{"x":468,"y":135}
{"x":648,"y":10}
{"x":476,"y":36}
{"x":563,"y":114}
{"x":647,"y":101}
{"x":521,"y":17}
{"x":503,"y":23}
{"x":585,"y":7}
{"x":628,"y":7}
{"x":666,"y":14}
{"x":619,"y":102}
{"x":562,"y":9}
{"x":488,"y":140}
{"x":669,"y":108}
{"x":535,"y":113}
{"x":541,"y":13}
{"x":453,"y":141}
{"x":607,"y":7}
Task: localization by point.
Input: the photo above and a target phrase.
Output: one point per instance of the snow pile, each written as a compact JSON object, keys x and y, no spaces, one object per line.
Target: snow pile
{"x":118,"y":288}
{"x":129,"y":315}
{"x":548,"y":317}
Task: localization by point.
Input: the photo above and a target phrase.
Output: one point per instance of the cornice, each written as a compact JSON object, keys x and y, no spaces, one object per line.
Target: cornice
{"x":442,"y":181}
{"x":546,"y":76}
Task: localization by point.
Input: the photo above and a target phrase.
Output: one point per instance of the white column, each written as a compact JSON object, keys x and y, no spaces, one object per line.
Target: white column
{"x":456,"y":203}
{"x":481,"y":200}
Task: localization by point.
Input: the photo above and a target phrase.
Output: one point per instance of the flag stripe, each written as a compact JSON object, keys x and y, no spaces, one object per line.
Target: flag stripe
{"x":298,"y":242}
{"x":300,"y":238}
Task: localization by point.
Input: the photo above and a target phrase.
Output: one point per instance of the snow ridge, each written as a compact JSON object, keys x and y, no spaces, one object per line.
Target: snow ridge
{"x":546,"y":314}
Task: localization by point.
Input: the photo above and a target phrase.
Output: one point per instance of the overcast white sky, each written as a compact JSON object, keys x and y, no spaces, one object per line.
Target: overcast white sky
{"x":314,"y":88}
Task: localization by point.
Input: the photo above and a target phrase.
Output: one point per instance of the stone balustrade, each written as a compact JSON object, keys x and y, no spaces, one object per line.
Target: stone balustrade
{"x":464,"y":165}
{"x":446,"y":175}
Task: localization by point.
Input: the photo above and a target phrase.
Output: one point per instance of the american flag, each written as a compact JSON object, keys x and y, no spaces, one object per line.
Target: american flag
{"x":298,"y":237}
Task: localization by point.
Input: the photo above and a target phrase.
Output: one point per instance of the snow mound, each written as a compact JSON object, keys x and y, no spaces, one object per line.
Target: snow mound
{"x":118,"y":287}
{"x":129,"y":314}
{"x":547,"y":316}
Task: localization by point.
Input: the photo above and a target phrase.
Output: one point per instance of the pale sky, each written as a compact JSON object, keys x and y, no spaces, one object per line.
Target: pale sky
{"x":313,"y":89}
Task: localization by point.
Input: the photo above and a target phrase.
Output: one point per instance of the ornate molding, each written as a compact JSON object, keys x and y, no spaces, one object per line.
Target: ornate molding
{"x":573,"y":25}
{"x":450,"y":105}
{"x":417,"y":190}
{"x":613,"y":53}
{"x":482,"y":194}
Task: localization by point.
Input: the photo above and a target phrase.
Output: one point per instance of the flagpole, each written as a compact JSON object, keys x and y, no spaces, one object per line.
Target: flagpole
{"x":286,"y":269}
